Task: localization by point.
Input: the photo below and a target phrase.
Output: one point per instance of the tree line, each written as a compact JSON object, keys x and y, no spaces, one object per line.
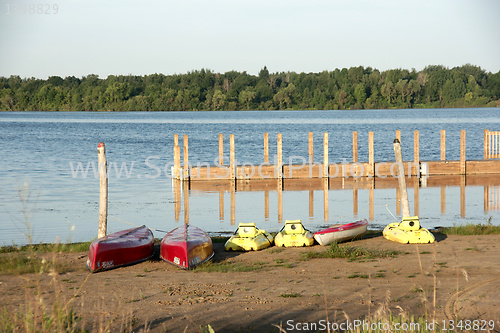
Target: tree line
{"x":341,"y":89}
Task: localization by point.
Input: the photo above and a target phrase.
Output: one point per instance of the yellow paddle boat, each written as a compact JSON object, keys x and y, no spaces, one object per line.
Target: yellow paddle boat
{"x":408,"y":231}
{"x":248,"y":237}
{"x":294,"y":234}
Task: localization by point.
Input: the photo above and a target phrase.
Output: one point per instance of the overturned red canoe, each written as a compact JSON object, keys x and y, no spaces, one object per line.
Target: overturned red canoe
{"x":121,"y":248}
{"x":186,"y":247}
{"x":341,"y":232}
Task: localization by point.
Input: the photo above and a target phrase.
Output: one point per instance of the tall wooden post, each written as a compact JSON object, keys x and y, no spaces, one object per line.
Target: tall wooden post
{"x":103,"y":190}
{"x":177,"y":162}
{"x":221,"y":149}
{"x":416,"y":148}
{"x":443,"y":145}
{"x":354,"y":146}
{"x":232,"y":157}
{"x":486,"y":144}
{"x":266,"y":148}
{"x":279,"y":162}
{"x":462,"y":152}
{"x":325,"y":155}
{"x":311,"y":148}
{"x":401,"y":179}
{"x":186,"y":157}
{"x":371,"y":154}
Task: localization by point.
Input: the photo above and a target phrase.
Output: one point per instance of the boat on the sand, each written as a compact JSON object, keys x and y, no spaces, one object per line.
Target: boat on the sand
{"x":186,"y":247}
{"x":248,"y":237}
{"x":294,"y":234}
{"x":121,"y":248}
{"x":341,"y":232}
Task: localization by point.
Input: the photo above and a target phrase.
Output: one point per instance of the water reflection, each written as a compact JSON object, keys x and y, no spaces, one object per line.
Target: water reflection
{"x":322,"y":202}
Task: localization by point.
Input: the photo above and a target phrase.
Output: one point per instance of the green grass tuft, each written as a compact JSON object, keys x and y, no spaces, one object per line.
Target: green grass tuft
{"x":351,"y":253}
{"x":470,"y":229}
{"x":227,"y":266}
{"x":48,"y":248}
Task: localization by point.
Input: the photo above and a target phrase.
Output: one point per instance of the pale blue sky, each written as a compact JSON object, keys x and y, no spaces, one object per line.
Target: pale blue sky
{"x":163,"y":36}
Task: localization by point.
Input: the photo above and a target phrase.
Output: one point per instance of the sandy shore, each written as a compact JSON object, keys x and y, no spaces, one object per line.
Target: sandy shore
{"x":286,"y":290}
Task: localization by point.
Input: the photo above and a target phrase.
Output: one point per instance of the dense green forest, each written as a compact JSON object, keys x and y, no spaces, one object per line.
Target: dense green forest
{"x":353,"y":88}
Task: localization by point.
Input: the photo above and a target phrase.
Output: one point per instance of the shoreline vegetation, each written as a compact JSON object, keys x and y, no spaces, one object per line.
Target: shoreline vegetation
{"x":355,"y":88}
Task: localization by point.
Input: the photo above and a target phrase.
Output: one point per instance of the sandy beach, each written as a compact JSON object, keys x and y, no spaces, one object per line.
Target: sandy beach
{"x":456,"y":277}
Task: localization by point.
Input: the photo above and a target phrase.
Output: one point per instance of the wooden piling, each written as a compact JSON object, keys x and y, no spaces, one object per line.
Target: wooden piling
{"x":177,"y":162}
{"x":311,"y":148}
{"x":103,"y":190}
{"x":232,"y":174}
{"x":186,"y":158}
{"x":486,"y":144}
{"x":266,"y":148}
{"x":325,"y":155}
{"x":443,"y":145}
{"x":416,"y":148}
{"x":354,"y":146}
{"x":279,"y":162}
{"x":221,"y":149}
{"x":401,"y":179}
{"x":371,"y":154}
{"x":462,"y":152}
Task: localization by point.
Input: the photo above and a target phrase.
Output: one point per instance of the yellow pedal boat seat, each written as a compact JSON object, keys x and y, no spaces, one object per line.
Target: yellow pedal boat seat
{"x":294,"y":234}
{"x":247,"y":238}
{"x":408,"y":231}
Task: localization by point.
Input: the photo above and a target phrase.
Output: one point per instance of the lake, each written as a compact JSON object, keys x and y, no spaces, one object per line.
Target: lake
{"x":47,"y":183}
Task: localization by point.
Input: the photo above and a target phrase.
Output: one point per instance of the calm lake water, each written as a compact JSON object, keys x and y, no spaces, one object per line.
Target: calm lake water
{"x":49,"y":155}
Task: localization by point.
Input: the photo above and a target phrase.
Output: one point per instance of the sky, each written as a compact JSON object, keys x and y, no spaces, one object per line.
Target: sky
{"x":141,"y":37}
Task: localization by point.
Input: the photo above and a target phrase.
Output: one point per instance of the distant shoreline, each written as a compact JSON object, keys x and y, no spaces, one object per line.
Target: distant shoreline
{"x":355,"y":88}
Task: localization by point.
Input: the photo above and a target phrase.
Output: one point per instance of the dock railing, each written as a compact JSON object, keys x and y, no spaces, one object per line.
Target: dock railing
{"x":309,"y":169}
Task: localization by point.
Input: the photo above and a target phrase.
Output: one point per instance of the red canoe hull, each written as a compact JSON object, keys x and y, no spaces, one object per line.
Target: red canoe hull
{"x":341,"y":232}
{"x":186,"y":247}
{"x":121,"y":248}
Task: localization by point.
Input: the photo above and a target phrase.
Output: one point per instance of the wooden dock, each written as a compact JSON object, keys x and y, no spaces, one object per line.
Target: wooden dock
{"x":276,"y":187}
{"x":356,"y":169}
